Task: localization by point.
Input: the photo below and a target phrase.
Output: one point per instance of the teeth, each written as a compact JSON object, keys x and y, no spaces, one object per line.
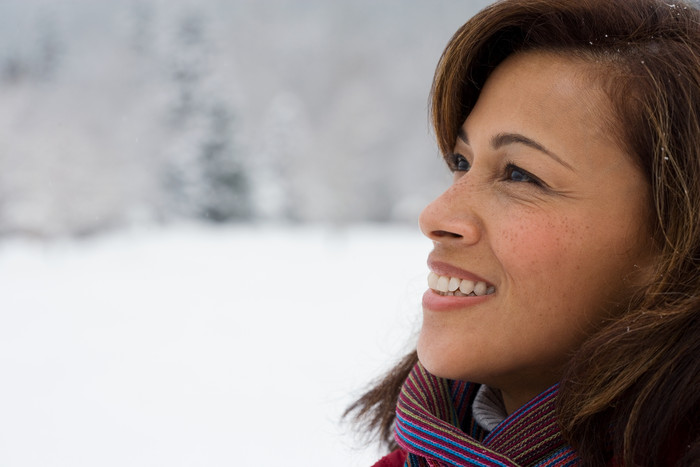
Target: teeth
{"x":442,"y":284}
{"x":433,"y":280}
{"x":466,"y":286}
{"x":458,"y":287}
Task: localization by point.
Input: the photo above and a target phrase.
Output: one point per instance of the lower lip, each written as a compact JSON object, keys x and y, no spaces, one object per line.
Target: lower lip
{"x":435,"y":302}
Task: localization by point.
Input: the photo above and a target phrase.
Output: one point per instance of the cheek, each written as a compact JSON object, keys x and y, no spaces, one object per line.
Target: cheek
{"x":546,"y":258}
{"x":534,"y":244}
{"x":573,"y":261}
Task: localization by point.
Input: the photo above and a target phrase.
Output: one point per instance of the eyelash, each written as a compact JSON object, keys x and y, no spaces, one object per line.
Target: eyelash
{"x":454,"y":160}
{"x":510,"y":168}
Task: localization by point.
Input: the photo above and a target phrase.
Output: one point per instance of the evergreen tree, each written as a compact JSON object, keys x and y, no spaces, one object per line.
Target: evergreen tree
{"x":226,"y":195}
{"x":204,"y":178}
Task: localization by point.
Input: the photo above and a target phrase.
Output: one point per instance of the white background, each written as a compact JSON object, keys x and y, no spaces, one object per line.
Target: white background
{"x":200,"y":347}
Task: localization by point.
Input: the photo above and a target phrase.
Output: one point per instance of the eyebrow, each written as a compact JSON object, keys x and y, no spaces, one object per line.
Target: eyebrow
{"x":504,"y":139}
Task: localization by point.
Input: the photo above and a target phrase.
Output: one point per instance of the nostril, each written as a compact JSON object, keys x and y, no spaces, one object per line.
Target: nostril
{"x":445,"y":233}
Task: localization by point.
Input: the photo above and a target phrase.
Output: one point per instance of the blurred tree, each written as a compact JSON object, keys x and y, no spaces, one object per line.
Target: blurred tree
{"x":282,"y":170}
{"x":50,"y":47}
{"x":13,"y":69}
{"x":141,"y":27}
{"x":205,"y":178}
{"x":227,"y":191}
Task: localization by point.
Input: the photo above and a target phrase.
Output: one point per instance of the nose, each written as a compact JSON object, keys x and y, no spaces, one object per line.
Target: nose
{"x":451,"y":218}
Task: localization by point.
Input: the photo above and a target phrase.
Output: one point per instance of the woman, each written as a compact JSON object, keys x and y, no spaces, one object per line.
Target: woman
{"x":562,"y":321}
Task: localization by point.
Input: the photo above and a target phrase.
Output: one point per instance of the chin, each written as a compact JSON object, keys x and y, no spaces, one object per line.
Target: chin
{"x":449,"y":357}
{"x":439,"y":362}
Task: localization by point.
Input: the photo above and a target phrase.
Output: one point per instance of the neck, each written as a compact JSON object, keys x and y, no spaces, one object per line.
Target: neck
{"x":518,"y":394}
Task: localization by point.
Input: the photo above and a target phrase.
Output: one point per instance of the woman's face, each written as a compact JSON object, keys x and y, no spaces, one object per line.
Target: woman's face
{"x":547,"y":218}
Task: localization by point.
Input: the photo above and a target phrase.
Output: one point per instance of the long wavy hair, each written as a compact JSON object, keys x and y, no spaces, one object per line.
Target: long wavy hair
{"x":632,"y":390}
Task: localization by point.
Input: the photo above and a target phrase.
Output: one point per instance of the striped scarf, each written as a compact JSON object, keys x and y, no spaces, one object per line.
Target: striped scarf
{"x":435,"y":427}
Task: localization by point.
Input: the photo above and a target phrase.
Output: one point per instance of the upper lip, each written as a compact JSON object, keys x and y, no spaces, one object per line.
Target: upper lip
{"x":445,"y":269}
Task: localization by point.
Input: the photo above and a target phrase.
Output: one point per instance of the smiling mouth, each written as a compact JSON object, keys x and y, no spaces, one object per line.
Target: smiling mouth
{"x":454,"y":286}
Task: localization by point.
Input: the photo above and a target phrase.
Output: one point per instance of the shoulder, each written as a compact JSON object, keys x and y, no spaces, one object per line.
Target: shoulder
{"x":395,"y":459}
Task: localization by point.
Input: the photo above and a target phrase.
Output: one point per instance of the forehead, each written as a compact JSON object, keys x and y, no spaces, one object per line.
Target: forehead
{"x":553,"y":97}
{"x":553,"y":78}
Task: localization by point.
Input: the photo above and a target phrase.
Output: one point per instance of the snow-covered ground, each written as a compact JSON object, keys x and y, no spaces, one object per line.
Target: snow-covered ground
{"x":197,"y":346}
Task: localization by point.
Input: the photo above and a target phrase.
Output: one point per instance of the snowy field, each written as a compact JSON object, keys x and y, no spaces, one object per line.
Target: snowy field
{"x":198,"y":346}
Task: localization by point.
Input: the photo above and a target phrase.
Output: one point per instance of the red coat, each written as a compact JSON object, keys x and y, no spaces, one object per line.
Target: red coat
{"x":395,"y":459}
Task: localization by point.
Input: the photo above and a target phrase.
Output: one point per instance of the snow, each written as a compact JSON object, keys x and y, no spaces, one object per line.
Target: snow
{"x":200,"y":346}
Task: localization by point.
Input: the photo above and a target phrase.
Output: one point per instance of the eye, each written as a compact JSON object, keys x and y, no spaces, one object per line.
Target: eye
{"x":513,"y":173}
{"x":458,"y":163}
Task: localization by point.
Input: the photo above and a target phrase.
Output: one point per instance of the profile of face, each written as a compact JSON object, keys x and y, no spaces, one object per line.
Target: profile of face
{"x":543,"y":233}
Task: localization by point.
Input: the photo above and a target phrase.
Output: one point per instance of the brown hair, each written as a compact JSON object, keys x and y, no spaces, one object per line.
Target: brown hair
{"x":633,"y":388}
